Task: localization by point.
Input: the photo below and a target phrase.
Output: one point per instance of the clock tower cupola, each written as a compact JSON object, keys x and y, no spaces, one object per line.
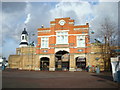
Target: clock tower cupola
{"x":24,"y":39}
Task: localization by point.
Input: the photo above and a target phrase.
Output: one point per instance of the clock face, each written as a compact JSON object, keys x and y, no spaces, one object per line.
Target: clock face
{"x":62,"y":22}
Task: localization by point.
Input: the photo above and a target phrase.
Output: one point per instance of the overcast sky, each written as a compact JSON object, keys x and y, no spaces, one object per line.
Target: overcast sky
{"x":34,"y":14}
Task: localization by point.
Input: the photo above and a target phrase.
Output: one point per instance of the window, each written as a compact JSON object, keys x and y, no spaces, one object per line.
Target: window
{"x":62,"y":37}
{"x":80,"y":41}
{"x":18,"y":52}
{"x":25,"y":37}
{"x":22,"y":37}
{"x":44,"y":42}
{"x":80,"y":50}
{"x":44,"y":51}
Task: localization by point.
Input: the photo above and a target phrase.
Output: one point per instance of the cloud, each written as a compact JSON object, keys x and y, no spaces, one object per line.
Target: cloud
{"x":27,"y":19}
{"x":27,"y":11}
{"x":87,"y":11}
{"x":75,"y":10}
{"x":39,"y":16}
{"x":109,"y":0}
{"x":41,"y":13}
{"x":0,"y":30}
{"x":14,"y":19}
{"x":12,"y":14}
{"x":104,"y":10}
{"x":28,"y":7}
{"x":11,"y":7}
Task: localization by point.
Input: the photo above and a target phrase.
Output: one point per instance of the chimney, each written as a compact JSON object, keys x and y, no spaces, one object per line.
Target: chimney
{"x":87,"y":23}
{"x":42,"y":26}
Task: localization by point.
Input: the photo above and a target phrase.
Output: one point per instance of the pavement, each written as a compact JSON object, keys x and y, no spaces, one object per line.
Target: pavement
{"x":57,"y":79}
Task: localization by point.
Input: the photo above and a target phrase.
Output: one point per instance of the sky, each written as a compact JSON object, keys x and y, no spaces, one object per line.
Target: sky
{"x":34,"y":14}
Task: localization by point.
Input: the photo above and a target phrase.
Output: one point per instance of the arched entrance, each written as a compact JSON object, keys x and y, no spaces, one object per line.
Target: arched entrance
{"x":80,"y":63}
{"x":44,"y":63}
{"x":62,"y":60}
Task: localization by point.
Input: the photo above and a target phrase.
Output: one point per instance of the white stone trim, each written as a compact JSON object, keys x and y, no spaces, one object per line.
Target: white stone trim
{"x":92,"y":52}
{"x":75,"y":47}
{"x":62,"y":49}
{"x":62,"y":44}
{"x":51,"y":69}
{"x":40,"y":56}
{"x":59,"y":44}
{"x":44,"y":36}
{"x":72,"y":69}
{"x":45,"y":48}
{"x":79,"y":55}
{"x":52,"y":35}
{"x":71,"y":22}
{"x":77,"y":34}
{"x":44,"y":31}
{"x":80,"y":28}
{"x":23,"y":45}
{"x":52,"y":24}
{"x":68,"y":35}
{"x":62,"y":30}
{"x":37,"y":68}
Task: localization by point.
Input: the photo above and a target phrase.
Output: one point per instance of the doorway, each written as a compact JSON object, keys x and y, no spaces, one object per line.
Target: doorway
{"x":80,"y":63}
{"x":62,"y":60}
{"x":44,"y":63}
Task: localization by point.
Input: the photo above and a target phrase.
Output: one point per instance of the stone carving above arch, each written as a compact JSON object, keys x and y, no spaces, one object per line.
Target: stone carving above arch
{"x":62,"y":49}
{"x":41,"y":56}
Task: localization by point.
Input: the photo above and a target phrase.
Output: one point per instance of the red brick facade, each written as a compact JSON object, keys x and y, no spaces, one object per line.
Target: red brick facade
{"x":72,"y":33}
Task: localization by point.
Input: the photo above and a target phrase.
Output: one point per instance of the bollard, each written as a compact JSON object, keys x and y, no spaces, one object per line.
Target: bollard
{"x":3,"y":67}
{"x":115,"y":62}
{"x":97,"y":70}
{"x":118,"y":76}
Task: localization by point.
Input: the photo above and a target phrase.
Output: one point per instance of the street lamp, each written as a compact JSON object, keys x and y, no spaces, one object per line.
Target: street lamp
{"x":29,"y":53}
{"x":97,"y":68}
{"x":90,"y":32}
{"x":42,"y":65}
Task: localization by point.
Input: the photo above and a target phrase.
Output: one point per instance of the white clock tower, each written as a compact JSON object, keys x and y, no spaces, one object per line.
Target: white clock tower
{"x":24,"y":39}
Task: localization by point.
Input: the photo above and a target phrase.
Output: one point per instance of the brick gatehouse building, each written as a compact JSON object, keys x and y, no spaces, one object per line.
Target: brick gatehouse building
{"x":62,"y":46}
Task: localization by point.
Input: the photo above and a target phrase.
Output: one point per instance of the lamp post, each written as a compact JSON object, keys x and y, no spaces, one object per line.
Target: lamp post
{"x":29,"y":53}
{"x":90,"y":32}
{"x":42,"y":65}
{"x":97,"y":68}
{"x":97,"y":60}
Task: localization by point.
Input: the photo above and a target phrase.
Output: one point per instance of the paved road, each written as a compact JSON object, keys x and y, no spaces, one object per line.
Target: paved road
{"x":42,"y":79}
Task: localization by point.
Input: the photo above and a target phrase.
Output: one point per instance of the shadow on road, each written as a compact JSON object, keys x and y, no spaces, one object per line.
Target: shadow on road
{"x":104,"y":76}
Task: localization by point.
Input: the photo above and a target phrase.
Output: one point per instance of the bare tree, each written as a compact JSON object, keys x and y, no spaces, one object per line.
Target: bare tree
{"x":108,"y":35}
{"x":109,"y":32}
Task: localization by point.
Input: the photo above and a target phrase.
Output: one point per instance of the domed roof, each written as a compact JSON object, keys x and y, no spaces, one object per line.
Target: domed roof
{"x":24,"y":32}
{"x":25,"y":43}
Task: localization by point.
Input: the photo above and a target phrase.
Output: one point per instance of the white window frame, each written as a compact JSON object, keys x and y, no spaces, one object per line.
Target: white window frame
{"x":45,"y":44}
{"x":62,"y":34}
{"x":81,"y":41}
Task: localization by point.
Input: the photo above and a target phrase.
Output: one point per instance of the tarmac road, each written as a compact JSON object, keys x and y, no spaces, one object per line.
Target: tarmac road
{"x":46,"y":79}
